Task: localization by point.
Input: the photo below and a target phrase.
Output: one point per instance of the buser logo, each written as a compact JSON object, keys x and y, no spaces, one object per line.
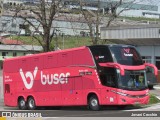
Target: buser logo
{"x":127,"y":50}
{"x":45,"y":78}
{"x":29,"y":75}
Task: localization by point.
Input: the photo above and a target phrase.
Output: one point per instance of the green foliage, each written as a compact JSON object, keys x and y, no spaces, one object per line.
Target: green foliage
{"x":69,"y":41}
{"x":153,"y":99}
{"x":28,"y":40}
{"x":140,"y":18}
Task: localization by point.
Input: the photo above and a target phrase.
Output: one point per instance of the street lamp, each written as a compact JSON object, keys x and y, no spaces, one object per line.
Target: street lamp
{"x":63,"y":39}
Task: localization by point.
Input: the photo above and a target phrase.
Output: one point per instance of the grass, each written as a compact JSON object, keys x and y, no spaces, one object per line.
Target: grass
{"x":153,"y":99}
{"x":28,"y":40}
{"x":62,"y":43}
{"x":69,"y":41}
{"x":141,"y":18}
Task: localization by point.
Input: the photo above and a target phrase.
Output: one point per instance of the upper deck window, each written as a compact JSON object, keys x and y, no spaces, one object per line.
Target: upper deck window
{"x":101,"y":54}
{"x":126,"y":55}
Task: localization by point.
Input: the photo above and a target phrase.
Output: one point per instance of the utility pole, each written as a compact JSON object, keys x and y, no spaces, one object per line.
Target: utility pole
{"x":63,"y":39}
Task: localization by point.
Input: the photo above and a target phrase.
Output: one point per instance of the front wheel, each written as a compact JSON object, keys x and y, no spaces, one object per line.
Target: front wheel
{"x":93,"y":103}
{"x":31,"y":104}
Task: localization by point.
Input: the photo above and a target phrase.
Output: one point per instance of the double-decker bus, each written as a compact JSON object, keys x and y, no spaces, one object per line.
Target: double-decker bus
{"x":86,"y":76}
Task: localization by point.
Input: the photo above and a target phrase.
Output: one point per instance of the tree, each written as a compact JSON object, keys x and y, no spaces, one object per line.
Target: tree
{"x":44,"y":13}
{"x":1,"y":7}
{"x":101,"y":16}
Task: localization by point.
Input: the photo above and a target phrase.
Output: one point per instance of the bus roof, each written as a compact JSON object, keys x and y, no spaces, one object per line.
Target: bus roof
{"x":45,"y":53}
{"x":65,"y":50}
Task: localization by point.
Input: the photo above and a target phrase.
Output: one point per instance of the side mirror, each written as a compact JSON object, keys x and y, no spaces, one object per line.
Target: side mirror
{"x":114,"y":65}
{"x":152,"y":66}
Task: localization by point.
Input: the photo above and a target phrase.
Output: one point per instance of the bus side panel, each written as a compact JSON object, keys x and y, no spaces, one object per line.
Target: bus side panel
{"x":47,"y":95}
{"x":9,"y":94}
{"x":72,"y":92}
{"x":55,"y":80}
{"x":83,"y":57}
{"x":108,"y":97}
{"x":68,"y":93}
{"x":79,"y":91}
{"x":45,"y":92}
{"x":10,"y":88}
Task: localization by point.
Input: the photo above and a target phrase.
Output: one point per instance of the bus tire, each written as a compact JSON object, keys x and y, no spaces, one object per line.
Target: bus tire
{"x":93,"y":103}
{"x":31,"y":103}
{"x":22,"y":104}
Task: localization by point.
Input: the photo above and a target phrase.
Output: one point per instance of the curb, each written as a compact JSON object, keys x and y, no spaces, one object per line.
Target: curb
{"x":158,"y":97}
{"x":156,"y":87}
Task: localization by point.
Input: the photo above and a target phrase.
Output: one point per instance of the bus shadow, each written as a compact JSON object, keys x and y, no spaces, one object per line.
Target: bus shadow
{"x":85,"y":108}
{"x":80,"y":108}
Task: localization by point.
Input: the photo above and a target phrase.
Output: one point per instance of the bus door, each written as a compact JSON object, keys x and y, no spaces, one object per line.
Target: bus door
{"x":78,"y":91}
{"x":108,"y":79}
{"x":72,"y":92}
{"x":68,"y":95}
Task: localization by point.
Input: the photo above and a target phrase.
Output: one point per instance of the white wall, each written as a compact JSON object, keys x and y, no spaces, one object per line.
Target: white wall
{"x":149,"y":51}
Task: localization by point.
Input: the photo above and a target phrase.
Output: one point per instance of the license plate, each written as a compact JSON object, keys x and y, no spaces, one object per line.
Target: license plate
{"x":137,"y":103}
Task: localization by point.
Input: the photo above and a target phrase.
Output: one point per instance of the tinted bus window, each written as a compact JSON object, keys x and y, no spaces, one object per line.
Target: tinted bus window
{"x":126,"y":55}
{"x":101,"y":54}
{"x":108,"y":77}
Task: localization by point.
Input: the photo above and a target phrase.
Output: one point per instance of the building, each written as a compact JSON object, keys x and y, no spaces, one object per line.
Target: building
{"x":133,"y":9}
{"x":70,"y":25}
{"x":8,"y":51}
{"x":140,"y":9}
{"x":6,"y":41}
{"x":148,"y":48}
{"x":130,"y":8}
{"x":136,"y":31}
{"x":146,"y":38}
{"x":13,"y":2}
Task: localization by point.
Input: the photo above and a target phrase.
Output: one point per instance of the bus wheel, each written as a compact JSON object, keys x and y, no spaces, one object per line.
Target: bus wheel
{"x":93,"y":103}
{"x":31,"y":103}
{"x":22,"y":104}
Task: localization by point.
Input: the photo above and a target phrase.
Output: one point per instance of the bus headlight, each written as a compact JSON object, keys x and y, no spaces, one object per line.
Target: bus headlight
{"x":147,"y":94}
{"x":120,"y":93}
{"x":123,"y":94}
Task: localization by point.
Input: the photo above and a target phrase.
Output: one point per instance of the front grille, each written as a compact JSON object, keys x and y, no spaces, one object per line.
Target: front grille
{"x":137,"y":96}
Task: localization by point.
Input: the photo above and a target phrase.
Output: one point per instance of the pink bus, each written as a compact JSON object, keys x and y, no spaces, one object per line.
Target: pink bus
{"x":86,"y":76}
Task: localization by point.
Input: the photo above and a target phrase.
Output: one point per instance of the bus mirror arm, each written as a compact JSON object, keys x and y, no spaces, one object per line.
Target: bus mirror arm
{"x":114,"y":65}
{"x":153,"y":66}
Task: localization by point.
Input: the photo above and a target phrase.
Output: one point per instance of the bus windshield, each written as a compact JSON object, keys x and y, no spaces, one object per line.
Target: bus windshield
{"x":126,"y":55}
{"x":132,"y":80}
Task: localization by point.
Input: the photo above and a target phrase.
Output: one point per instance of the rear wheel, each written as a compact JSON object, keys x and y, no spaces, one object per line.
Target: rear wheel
{"x":22,"y":104}
{"x":31,"y":103}
{"x":93,"y":103}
